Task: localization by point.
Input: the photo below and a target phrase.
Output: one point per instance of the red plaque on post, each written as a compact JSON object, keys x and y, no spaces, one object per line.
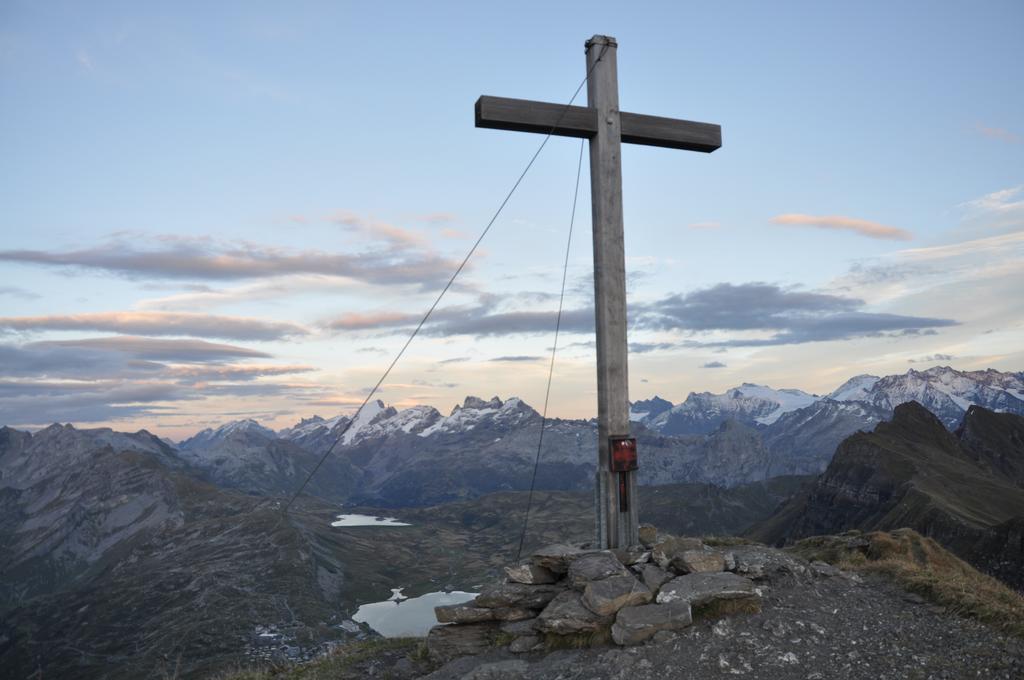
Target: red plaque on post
{"x":623,"y":454}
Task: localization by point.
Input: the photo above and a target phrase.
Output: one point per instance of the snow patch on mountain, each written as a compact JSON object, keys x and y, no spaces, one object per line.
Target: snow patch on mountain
{"x":475,"y":412}
{"x":363,"y":419}
{"x":787,"y":399}
{"x":854,"y":389}
{"x":210,"y":437}
{"x":309,"y":426}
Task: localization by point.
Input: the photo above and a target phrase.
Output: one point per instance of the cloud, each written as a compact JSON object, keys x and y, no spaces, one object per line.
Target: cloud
{"x":398,"y":237}
{"x":201,"y":259}
{"x":43,"y":402}
{"x":159,"y":324}
{"x":794,"y":317}
{"x":518,"y":358}
{"x":204,"y":297}
{"x":103,"y":379}
{"x":436,"y":217}
{"x":931,"y":358}
{"x":152,"y":349}
{"x":836,"y":222}
{"x":358,"y":321}
{"x":997,"y":133}
{"x":647,"y":347}
{"x":478,"y":320}
{"x":40,"y":361}
{"x":192,"y":374}
{"x":714,"y":364}
{"x":84,"y":60}
{"x":995,"y":212}
{"x":15,"y":291}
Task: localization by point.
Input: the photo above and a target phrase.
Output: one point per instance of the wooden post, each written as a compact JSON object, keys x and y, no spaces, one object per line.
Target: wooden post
{"x":615,"y":528}
{"x":607,"y":128}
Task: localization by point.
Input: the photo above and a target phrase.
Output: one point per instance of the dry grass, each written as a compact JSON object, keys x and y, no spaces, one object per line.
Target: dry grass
{"x":922,"y":566}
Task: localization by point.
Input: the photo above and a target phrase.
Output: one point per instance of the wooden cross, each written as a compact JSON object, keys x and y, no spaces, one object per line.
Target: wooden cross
{"x":606,"y":127}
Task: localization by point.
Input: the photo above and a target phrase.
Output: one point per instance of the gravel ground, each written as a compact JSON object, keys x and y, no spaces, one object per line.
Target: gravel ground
{"x":813,"y":626}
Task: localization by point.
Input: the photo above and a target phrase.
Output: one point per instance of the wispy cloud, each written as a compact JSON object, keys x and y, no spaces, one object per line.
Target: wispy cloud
{"x":999,"y":133}
{"x":84,"y":60}
{"x":998,"y":201}
{"x":232,"y":372}
{"x":931,"y":358}
{"x":916,"y":270}
{"x":15,"y":291}
{"x":435,"y":217}
{"x":398,"y":237}
{"x":714,"y":364}
{"x":517,"y":358}
{"x":202,"y":259}
{"x":158,"y":324}
{"x":647,"y":347}
{"x":156,"y":349}
{"x":839,"y":223}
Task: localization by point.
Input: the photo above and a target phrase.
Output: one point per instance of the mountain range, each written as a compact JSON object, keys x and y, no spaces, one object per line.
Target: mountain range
{"x":418,"y":456}
{"x":117,"y":560}
{"x":122,"y":550}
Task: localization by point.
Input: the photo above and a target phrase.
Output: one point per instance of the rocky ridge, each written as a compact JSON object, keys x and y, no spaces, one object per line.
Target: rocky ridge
{"x":962,"y":488}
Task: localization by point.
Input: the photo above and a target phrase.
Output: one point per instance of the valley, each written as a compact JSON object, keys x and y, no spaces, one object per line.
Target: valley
{"x":126,"y":555}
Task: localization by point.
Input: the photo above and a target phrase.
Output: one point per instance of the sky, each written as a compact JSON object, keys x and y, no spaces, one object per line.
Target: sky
{"x":216,"y":211}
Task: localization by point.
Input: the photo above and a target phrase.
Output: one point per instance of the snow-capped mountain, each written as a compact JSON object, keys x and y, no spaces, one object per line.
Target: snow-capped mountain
{"x":417,"y":455}
{"x":210,"y":436}
{"x":854,"y":389}
{"x":948,"y":393}
{"x":493,"y":415}
{"x":810,"y":435}
{"x":704,"y":412}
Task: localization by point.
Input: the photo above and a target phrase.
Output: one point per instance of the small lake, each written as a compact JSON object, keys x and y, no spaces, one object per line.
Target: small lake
{"x":367,"y":521}
{"x":407,"y":617}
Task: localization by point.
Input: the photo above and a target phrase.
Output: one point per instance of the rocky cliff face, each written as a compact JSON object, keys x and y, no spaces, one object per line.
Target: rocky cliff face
{"x":67,"y":496}
{"x":248,"y":457}
{"x":959,"y":488}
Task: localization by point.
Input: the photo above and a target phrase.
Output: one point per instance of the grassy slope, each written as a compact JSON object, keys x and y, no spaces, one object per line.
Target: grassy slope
{"x":922,"y":566}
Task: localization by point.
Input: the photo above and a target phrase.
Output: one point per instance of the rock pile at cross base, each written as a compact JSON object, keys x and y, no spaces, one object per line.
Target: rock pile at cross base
{"x":684,"y":615}
{"x":567,"y":595}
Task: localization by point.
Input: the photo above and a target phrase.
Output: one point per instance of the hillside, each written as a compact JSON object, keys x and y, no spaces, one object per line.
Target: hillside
{"x":108,"y":544}
{"x":880,"y":605}
{"x":962,"y":489}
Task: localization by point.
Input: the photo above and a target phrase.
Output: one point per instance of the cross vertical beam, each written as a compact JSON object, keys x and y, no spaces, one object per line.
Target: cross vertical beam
{"x":615,"y":528}
{"x":607,"y":128}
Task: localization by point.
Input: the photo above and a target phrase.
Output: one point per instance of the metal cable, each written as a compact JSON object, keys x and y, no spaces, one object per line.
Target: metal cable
{"x":448,"y":285}
{"x":554,"y":349}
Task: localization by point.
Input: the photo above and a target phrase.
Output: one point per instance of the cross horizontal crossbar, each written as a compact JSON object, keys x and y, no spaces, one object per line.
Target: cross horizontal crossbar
{"x":522,"y":115}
